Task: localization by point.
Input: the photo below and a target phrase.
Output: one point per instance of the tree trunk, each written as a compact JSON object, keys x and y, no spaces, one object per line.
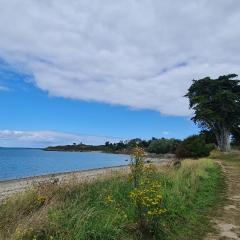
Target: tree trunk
{"x":218,"y":140}
{"x":224,"y":140}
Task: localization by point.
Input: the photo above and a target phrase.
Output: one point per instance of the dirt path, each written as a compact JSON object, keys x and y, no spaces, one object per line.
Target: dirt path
{"x":227,"y":222}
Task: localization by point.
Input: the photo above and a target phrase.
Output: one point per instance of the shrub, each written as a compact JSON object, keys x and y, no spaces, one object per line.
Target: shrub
{"x":146,"y":195}
{"x":163,"y":145}
{"x":194,"y":147}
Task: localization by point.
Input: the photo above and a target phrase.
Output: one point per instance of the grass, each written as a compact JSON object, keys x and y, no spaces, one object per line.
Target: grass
{"x":80,"y":211}
{"x":233,"y":156}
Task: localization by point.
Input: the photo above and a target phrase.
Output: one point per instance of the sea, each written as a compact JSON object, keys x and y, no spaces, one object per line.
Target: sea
{"x":18,"y":163}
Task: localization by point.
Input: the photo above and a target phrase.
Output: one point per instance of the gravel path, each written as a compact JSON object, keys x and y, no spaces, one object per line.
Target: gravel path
{"x":227,"y":222}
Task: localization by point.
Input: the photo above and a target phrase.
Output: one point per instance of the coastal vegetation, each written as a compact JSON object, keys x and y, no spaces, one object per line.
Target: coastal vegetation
{"x":151,"y":202}
{"x":154,"y":145}
{"x":194,"y":147}
{"x":216,"y":106}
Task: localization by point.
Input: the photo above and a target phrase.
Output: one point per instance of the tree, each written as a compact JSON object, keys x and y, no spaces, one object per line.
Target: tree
{"x":236,"y":136}
{"x":209,"y":137}
{"x":134,"y":142}
{"x":163,"y":145}
{"x":216,"y":105}
{"x":193,"y":147}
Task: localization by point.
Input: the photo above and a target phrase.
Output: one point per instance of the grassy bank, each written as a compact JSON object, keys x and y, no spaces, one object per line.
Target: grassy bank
{"x":82,"y":211}
{"x":233,"y":156}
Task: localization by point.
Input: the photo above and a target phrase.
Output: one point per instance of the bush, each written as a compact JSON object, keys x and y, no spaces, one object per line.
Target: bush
{"x":163,"y":145}
{"x":194,"y":147}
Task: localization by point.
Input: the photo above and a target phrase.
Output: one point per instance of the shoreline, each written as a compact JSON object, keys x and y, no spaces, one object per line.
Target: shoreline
{"x":11,"y":187}
{"x":85,"y":151}
{"x":49,"y":175}
{"x":146,"y":160}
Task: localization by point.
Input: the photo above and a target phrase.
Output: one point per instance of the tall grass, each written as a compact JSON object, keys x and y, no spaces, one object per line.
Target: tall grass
{"x":80,"y":211}
{"x":233,"y":156}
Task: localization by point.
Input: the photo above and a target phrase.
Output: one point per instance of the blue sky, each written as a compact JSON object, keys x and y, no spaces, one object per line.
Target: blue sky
{"x":74,"y":71}
{"x":26,"y":108}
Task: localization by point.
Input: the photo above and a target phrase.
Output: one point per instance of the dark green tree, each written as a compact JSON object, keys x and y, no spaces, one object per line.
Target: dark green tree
{"x":209,"y":137}
{"x":134,"y":143}
{"x":236,"y":136}
{"x":163,"y":145}
{"x":193,"y":147}
{"x":216,"y":106}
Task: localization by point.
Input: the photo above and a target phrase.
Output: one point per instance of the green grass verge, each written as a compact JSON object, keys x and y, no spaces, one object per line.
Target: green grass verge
{"x":233,"y":156}
{"x":80,"y":212}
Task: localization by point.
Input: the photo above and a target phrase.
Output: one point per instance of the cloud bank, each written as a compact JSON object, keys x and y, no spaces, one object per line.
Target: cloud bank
{"x":136,"y":53}
{"x":11,"y":138}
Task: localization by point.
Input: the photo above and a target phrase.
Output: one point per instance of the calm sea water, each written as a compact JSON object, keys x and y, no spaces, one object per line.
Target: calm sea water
{"x":19,"y":162}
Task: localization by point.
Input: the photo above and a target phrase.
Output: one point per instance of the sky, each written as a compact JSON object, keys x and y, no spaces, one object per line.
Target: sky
{"x":101,"y":70}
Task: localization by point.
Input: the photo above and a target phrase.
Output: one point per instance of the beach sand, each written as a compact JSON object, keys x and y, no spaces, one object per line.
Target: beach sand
{"x":11,"y":187}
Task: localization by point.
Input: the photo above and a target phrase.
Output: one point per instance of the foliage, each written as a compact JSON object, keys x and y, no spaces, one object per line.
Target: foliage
{"x":216,"y":105}
{"x":236,"y":136}
{"x":209,"y":137}
{"x":163,"y":145}
{"x":154,"y":145}
{"x":146,"y":194}
{"x":194,"y":147}
{"x":74,"y":211}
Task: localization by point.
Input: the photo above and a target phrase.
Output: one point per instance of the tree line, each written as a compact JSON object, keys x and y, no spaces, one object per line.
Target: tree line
{"x":216,"y":110}
{"x":154,"y":145}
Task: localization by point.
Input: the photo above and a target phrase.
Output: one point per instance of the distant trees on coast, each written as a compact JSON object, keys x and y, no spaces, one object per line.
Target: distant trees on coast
{"x":216,"y":106}
{"x":193,"y":146}
{"x":154,"y":145}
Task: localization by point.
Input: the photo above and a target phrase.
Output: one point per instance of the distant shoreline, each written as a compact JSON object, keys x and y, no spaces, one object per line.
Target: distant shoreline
{"x":80,"y":151}
{"x":48,"y":175}
{"x":53,"y":149}
{"x":10,"y":187}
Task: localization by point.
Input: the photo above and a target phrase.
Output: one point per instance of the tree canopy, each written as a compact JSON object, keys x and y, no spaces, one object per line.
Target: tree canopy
{"x":163,"y":145}
{"x":216,"y":106}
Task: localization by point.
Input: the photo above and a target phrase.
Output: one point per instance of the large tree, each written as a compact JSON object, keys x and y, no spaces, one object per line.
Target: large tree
{"x":216,"y":106}
{"x":236,"y":136}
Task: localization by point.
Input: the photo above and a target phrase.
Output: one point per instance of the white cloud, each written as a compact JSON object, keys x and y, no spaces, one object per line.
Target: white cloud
{"x":136,"y":53}
{"x":165,"y":133}
{"x":11,"y":138}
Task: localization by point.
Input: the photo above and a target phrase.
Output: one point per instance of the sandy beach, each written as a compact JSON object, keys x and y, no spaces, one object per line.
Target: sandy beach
{"x":11,"y":187}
